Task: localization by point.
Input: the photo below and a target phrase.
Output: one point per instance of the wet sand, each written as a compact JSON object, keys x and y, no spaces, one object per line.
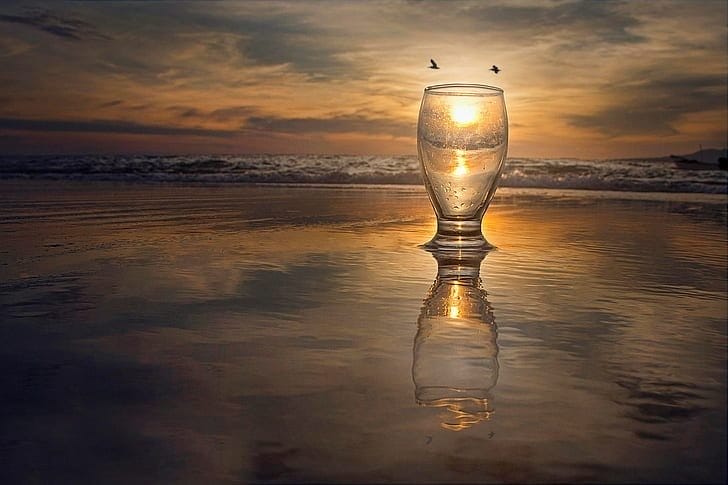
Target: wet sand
{"x":235,"y":334}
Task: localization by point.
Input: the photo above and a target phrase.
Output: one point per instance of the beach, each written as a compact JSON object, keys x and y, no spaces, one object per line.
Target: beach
{"x":242,"y":333}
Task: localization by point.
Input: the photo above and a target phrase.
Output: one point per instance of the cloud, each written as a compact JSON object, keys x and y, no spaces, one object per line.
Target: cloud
{"x":106,"y":126}
{"x":266,"y":34}
{"x":285,"y":67}
{"x":286,"y":41}
{"x":66,"y":28}
{"x":109,"y":104}
{"x":187,"y":112}
{"x":585,"y":20}
{"x":621,"y":121}
{"x":335,"y":124}
{"x":232,"y":113}
{"x":652,"y":106}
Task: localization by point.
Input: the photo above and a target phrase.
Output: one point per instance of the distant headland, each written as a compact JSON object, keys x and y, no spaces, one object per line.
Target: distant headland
{"x":703,"y":158}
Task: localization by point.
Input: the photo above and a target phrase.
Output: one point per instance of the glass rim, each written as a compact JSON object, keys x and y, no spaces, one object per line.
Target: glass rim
{"x":463,"y":89}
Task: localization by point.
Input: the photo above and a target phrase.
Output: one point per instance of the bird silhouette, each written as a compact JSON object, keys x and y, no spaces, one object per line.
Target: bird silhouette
{"x":495,"y":69}
{"x":433,"y":64}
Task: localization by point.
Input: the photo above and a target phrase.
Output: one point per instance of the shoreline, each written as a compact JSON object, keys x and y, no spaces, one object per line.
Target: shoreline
{"x":546,"y":192}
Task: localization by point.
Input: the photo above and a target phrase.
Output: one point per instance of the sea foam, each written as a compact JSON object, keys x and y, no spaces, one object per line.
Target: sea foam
{"x":627,"y":175}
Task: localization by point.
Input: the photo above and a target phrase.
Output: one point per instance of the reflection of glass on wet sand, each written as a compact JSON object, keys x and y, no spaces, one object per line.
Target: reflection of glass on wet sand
{"x":265,"y":333}
{"x":455,"y":355}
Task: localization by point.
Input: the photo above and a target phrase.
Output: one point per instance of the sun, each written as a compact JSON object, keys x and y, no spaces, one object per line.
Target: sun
{"x":463,"y":114}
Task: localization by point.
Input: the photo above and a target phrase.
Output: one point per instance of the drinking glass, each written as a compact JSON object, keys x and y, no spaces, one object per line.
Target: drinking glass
{"x":462,"y":139}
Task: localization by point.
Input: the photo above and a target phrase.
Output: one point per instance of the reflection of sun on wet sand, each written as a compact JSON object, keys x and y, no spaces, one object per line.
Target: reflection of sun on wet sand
{"x":455,"y":357}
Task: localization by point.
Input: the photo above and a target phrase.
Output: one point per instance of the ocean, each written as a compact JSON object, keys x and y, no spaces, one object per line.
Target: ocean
{"x":637,"y":175}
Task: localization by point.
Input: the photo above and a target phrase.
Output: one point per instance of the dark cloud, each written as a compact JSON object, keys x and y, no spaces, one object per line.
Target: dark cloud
{"x":274,"y":36}
{"x":232,"y":113}
{"x":190,"y":113}
{"x":106,"y":126}
{"x":284,"y":41}
{"x":270,"y":34}
{"x":585,"y":22}
{"x":336,"y":124}
{"x":625,"y":120}
{"x":264,"y":37}
{"x":652,"y":106}
{"x":64,"y":27}
{"x":109,"y":104}
{"x":284,"y":37}
{"x":248,"y":118}
{"x":590,"y":19}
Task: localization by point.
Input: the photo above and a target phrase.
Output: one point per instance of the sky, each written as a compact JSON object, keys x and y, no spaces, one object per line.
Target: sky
{"x":586,"y":79}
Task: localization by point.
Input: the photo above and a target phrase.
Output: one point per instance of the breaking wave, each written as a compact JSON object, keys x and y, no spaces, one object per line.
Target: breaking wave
{"x":627,"y":175}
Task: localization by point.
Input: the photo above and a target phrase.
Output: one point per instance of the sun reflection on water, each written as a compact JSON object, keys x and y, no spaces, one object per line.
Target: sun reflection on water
{"x":462,"y":413}
{"x":461,"y":166}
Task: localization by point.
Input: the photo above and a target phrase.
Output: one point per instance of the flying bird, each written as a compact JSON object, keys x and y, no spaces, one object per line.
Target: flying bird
{"x":495,"y":69}
{"x":433,"y":64}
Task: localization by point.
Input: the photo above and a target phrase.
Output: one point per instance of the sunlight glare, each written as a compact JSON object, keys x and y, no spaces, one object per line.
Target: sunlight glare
{"x":463,"y":114}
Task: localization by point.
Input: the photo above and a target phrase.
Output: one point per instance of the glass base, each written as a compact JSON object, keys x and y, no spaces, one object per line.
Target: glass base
{"x":458,"y":236}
